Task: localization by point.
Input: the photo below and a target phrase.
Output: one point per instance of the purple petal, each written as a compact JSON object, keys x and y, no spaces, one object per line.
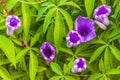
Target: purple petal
{"x":47,"y":51}
{"x":13,"y":22}
{"x":102,"y":26}
{"x":9,"y":32}
{"x":79,"y":65}
{"x":73,"y":38}
{"x":85,"y":27}
{"x":101,"y":12}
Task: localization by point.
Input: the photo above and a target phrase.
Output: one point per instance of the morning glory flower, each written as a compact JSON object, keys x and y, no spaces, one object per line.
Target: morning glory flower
{"x":73,"y":38}
{"x":12,"y":23}
{"x":101,"y":14}
{"x":101,"y":25}
{"x":47,"y":51}
{"x":85,"y":27}
{"x":79,"y":65}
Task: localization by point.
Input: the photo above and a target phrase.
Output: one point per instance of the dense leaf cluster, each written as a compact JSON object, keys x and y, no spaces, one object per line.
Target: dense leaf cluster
{"x":50,"y":21}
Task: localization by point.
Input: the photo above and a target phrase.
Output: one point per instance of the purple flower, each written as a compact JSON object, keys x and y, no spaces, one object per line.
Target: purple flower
{"x":101,"y":14}
{"x":85,"y":27}
{"x":73,"y":38}
{"x":79,"y":65}
{"x":47,"y":51}
{"x":12,"y":23}
{"x":102,"y":26}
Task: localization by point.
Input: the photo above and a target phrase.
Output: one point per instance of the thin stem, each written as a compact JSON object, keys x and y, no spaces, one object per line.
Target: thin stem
{"x":31,"y":2}
{"x":78,"y":75}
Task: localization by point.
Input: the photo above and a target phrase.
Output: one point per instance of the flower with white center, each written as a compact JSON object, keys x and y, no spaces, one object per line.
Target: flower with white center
{"x":12,"y":23}
{"x":47,"y":51}
{"x":79,"y":65}
{"x":73,"y":38}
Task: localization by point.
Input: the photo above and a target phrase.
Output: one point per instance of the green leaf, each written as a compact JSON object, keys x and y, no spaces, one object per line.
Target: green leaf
{"x":67,"y":17}
{"x":21,"y":54}
{"x":8,"y":48}
{"x":26,"y":20}
{"x":95,"y":76}
{"x":113,"y":71}
{"x":59,"y":30}
{"x":115,"y":3}
{"x":42,"y":10}
{"x":107,"y":59}
{"x":34,"y":5}
{"x":10,"y":4}
{"x":89,"y":5}
{"x":56,"y":68}
{"x":36,"y":36}
{"x":4,"y":73}
{"x":101,"y":66}
{"x":4,"y":61}
{"x":17,"y":75}
{"x":41,"y":68}
{"x":115,"y":51}
{"x":70,"y":3}
{"x":50,"y":34}
{"x":55,"y":78}
{"x":69,"y":78}
{"x":103,"y":1}
{"x":47,"y":19}
{"x":97,"y":53}
{"x":66,"y":50}
{"x":117,"y":10}
{"x":66,"y":68}
{"x":62,"y":1}
{"x":33,"y":65}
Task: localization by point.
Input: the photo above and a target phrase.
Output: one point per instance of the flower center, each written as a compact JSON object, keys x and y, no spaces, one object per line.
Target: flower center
{"x":83,"y":32}
{"x":13,"y":22}
{"x":102,"y":10}
{"x":48,"y":52}
{"x":80,"y":63}
{"x":74,"y":37}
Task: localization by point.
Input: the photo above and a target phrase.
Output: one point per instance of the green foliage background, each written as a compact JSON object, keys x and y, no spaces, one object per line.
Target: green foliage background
{"x":51,"y":20}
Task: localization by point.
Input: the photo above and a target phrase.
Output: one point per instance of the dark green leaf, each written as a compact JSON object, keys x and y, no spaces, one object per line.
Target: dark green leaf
{"x":55,"y":78}
{"x":8,"y":47}
{"x":62,"y":1}
{"x":42,"y":10}
{"x":10,"y":4}
{"x":56,"y":68}
{"x":41,"y":68}
{"x":70,"y":4}
{"x":26,"y":20}
{"x":17,"y":75}
{"x":4,"y":73}
{"x":59,"y":30}
{"x":47,"y":19}
{"x":115,"y":51}
{"x":89,"y":5}
{"x":103,"y":1}
{"x":66,"y":50}
{"x":69,"y":78}
{"x":113,"y":71}
{"x":66,"y":68}
{"x":36,"y":36}
{"x":67,"y":17}
{"x":33,"y":65}
{"x":95,"y":76}
{"x":97,"y":53}
{"x":50,"y":34}
{"x":21,"y":54}
{"x":101,"y":66}
{"x":4,"y":61}
{"x":107,"y":59}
